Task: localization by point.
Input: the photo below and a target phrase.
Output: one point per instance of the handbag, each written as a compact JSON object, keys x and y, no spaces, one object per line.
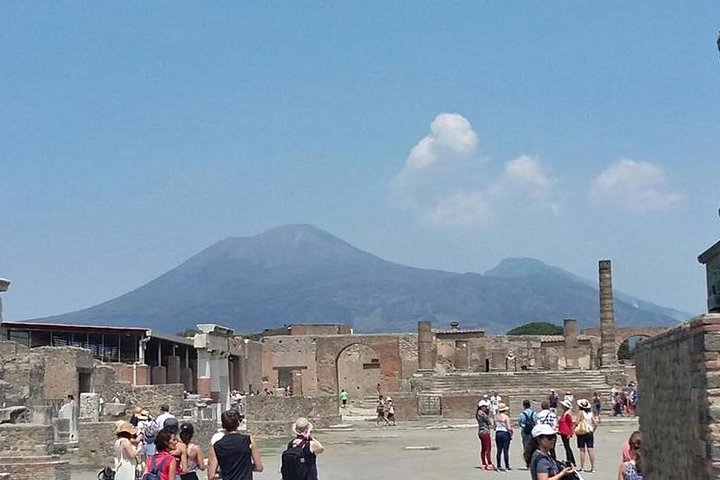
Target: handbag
{"x":582,"y":428}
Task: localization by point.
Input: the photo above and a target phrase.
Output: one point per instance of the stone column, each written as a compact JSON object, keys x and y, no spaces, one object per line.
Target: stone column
{"x":607,"y":316}
{"x":571,"y":342}
{"x":4,"y":285}
{"x":425,"y":346}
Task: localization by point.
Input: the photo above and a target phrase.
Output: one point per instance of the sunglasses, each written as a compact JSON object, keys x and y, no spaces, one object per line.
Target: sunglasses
{"x":549,"y":437}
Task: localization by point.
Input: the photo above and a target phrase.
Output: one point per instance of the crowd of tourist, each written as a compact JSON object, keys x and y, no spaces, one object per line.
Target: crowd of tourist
{"x":539,"y":430}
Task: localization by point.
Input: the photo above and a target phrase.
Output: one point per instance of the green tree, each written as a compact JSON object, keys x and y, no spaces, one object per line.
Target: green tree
{"x":537,"y":328}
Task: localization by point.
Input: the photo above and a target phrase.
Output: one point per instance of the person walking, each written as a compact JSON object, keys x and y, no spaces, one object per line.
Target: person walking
{"x":125,"y":451}
{"x":344,"y":398}
{"x":380,"y":411}
{"x":311,"y":447}
{"x":585,"y":424}
{"x":390,"y":411}
{"x":632,"y":468}
{"x":527,"y":421}
{"x":503,"y":436}
{"x":237,"y":455}
{"x":566,"y":425}
{"x":195,"y":460}
{"x":596,"y":404}
{"x":482,"y":415}
{"x":542,"y":465}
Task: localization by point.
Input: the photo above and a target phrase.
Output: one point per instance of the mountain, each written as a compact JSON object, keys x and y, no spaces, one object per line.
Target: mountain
{"x":301,"y":274}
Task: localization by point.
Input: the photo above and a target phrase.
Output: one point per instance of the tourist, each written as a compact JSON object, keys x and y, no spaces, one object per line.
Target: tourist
{"x":195,"y":460}
{"x":494,"y":402}
{"x":503,"y":436}
{"x":616,"y":406}
{"x":164,"y":415}
{"x":179,"y":450}
{"x":548,"y":417}
{"x":125,"y":451}
{"x":237,"y":455}
{"x":585,"y":424}
{"x":627,"y":446}
{"x":134,"y":417}
{"x":344,"y":398}
{"x":163,"y":463}
{"x":597,"y":404}
{"x":632,"y":398}
{"x":569,"y":397}
{"x":380,"y":410}
{"x":565,"y":429}
{"x":390,"y":410}
{"x":632,"y":469}
{"x":542,"y":465}
{"x":484,"y":427}
{"x":527,"y":421}
{"x":311,"y":447}
{"x":553,"y":399}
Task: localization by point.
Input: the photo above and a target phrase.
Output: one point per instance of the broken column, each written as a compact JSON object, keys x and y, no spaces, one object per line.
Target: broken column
{"x":607,"y":316}
{"x":425,"y":346}
{"x":711,"y":259}
{"x":571,"y":343}
{"x":4,"y":285}
{"x":213,"y":349}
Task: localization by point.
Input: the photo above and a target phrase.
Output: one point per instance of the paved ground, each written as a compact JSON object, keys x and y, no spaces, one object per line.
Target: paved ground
{"x":363,"y":452}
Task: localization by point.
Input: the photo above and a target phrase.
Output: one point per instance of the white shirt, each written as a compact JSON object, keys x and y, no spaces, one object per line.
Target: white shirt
{"x":162,"y":417}
{"x":547,"y":417}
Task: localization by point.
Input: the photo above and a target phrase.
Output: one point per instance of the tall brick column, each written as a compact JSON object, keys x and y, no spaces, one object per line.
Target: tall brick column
{"x":425,"y":350}
{"x":607,"y":316}
{"x":571,"y":343}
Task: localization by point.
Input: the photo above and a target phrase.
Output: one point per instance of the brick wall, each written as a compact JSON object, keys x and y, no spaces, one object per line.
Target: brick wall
{"x":268,"y":414}
{"x":679,"y":378}
{"x":24,"y":439}
{"x":95,"y":442}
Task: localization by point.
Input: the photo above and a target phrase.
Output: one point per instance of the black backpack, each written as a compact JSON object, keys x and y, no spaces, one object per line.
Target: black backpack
{"x":294,"y":464}
{"x":529,"y":424}
{"x":106,"y":473}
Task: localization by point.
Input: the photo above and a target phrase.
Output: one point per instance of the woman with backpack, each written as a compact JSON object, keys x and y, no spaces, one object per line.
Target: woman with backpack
{"x":542,"y":465}
{"x":299,"y":460}
{"x":585,"y":424}
{"x":161,"y":466}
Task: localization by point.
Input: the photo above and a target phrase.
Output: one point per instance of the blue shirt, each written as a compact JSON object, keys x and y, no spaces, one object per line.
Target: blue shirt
{"x":525,"y":415}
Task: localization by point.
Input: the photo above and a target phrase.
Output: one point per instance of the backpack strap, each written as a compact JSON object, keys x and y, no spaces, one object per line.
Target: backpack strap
{"x":162,"y":464}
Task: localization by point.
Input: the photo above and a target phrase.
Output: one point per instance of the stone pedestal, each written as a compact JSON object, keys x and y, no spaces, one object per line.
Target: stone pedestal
{"x":425,"y":346}
{"x":90,"y":406}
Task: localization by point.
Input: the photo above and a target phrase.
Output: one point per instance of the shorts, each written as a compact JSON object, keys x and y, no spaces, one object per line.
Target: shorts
{"x":587,"y":440}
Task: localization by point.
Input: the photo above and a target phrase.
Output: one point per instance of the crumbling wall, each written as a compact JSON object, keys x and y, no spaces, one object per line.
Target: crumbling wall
{"x":679,"y":377}
{"x":271,"y":415}
{"x":22,"y":374}
{"x":61,"y":370}
{"x":23,"y":439}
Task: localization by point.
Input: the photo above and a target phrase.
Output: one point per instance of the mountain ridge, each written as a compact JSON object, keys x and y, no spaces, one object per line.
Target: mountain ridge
{"x":302,"y":274}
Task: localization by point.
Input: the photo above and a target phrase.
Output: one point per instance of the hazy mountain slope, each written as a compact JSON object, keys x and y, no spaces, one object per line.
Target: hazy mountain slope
{"x":299,"y":273}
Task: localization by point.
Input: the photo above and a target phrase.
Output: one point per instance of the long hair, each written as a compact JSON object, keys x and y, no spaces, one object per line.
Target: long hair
{"x":530,"y":448}
{"x":635,"y":441}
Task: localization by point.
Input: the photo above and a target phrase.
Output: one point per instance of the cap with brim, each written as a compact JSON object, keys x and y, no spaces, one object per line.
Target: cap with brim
{"x":172,"y":425}
{"x":502,"y":407}
{"x":583,"y":404}
{"x":483,"y":403}
{"x":543,"y":429}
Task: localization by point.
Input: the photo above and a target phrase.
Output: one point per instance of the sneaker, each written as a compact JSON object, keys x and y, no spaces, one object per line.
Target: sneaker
{"x":508,"y":468}
{"x":592,"y":470}
{"x":500,"y":469}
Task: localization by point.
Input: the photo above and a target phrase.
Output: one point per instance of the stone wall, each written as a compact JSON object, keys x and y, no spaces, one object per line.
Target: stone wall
{"x":679,"y":377}
{"x":95,"y":442}
{"x":271,"y":415}
{"x":23,"y":439}
{"x":61,"y":370}
{"x":35,"y":468}
{"x":21,"y":375}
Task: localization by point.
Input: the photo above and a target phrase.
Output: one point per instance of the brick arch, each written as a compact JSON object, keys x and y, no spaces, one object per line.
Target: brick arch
{"x":328,"y":350}
{"x":623,"y":333}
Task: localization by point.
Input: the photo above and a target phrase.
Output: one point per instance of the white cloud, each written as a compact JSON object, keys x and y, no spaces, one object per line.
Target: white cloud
{"x":634,"y":186}
{"x":472,"y":209}
{"x":451,"y":139}
{"x":522,"y":179}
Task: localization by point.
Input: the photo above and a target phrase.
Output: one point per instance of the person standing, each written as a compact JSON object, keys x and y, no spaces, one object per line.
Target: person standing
{"x":494,"y":402}
{"x":482,"y":415}
{"x":195,"y":460}
{"x":585,"y":424}
{"x":311,"y":447}
{"x":162,"y":463}
{"x":548,"y":417}
{"x":503,"y":436}
{"x":553,"y":399}
{"x":569,"y":397}
{"x":237,"y":455}
{"x":596,"y":404}
{"x":527,"y":421}
{"x":344,"y":398}
{"x":542,"y":464}
{"x":125,"y":451}
{"x":565,"y":429}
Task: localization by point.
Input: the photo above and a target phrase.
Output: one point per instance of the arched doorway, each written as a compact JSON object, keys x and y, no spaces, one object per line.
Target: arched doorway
{"x":358,"y":369}
{"x":626,"y":351}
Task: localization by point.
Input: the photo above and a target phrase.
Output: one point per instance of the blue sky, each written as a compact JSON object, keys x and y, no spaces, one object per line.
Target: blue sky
{"x":436,"y":134}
